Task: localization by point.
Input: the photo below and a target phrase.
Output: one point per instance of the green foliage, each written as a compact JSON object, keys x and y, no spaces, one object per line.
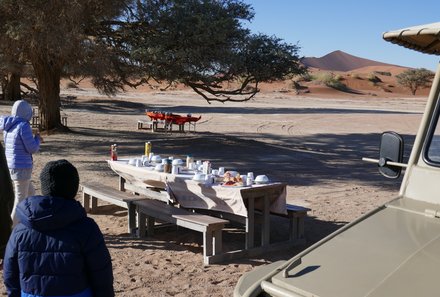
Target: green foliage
{"x":202,"y":44}
{"x":331,"y":80}
{"x":373,"y":78}
{"x":384,"y":73}
{"x":414,"y":79}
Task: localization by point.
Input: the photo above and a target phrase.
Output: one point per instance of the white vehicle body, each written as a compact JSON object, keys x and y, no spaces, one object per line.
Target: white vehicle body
{"x":391,"y":251}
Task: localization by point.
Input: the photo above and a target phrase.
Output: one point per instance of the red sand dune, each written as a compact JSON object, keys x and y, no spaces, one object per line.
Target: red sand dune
{"x":341,"y":61}
{"x":353,"y":71}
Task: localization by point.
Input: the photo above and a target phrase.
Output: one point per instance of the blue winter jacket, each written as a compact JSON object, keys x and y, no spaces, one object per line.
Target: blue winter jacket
{"x":20,"y":144}
{"x":56,"y":250}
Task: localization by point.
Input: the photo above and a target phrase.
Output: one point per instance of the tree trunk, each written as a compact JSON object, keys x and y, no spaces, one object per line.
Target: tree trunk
{"x":12,"y":88}
{"x":48,"y":76}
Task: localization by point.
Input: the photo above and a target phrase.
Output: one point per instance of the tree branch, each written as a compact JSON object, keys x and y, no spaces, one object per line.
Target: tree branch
{"x":225,"y":95}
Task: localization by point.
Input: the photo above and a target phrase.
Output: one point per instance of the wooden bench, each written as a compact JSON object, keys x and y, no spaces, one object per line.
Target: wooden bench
{"x":211,"y":227}
{"x":296,"y":215}
{"x":35,"y":123}
{"x":154,"y":125}
{"x":143,"y":124}
{"x":94,"y":191}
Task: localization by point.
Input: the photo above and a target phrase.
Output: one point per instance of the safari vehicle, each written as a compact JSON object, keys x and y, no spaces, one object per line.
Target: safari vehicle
{"x":393,"y":250}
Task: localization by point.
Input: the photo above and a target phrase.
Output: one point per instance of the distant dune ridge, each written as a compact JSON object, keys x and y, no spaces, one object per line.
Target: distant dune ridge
{"x":341,"y":61}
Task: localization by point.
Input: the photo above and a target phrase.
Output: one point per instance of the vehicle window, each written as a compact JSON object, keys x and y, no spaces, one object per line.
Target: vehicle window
{"x":432,"y":153}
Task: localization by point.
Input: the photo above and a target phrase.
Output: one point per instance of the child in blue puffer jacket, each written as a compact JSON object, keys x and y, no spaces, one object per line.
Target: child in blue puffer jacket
{"x":20,"y":144}
{"x":56,"y":250}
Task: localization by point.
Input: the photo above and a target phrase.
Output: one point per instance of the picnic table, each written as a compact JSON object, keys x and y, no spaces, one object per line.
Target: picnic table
{"x":249,"y":205}
{"x":170,"y":119}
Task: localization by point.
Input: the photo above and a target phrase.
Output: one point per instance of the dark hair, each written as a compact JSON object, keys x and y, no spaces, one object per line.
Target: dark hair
{"x":59,"y":179}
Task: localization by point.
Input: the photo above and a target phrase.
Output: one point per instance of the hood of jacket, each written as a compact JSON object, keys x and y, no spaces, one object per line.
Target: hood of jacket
{"x":22,"y":109}
{"x":49,"y":213}
{"x":9,"y":122}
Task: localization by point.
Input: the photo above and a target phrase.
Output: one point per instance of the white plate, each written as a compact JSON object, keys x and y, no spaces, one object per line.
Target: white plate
{"x":235,"y":186}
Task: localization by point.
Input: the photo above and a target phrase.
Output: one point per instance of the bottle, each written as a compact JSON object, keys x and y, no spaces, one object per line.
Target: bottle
{"x":167,"y":166}
{"x":189,"y":160}
{"x":114,"y":152}
{"x":148,"y":146}
{"x":206,"y":167}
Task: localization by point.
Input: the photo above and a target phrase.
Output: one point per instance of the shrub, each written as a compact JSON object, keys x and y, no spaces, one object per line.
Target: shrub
{"x":373,"y":78}
{"x":332,"y":81}
{"x":303,"y":77}
{"x":384,"y":73}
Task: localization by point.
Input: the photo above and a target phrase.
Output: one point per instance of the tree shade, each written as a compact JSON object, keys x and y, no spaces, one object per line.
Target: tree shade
{"x":199,"y":43}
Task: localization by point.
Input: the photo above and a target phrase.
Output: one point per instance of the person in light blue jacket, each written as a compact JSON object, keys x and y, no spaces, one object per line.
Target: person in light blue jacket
{"x":20,"y":144}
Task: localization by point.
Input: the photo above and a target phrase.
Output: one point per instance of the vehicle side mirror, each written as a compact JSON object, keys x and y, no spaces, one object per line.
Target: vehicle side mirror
{"x":391,"y":150}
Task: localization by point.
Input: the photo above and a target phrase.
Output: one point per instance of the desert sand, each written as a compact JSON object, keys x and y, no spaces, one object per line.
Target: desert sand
{"x":313,"y":143}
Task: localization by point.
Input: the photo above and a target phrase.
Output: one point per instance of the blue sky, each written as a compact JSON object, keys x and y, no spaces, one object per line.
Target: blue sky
{"x":355,"y":27}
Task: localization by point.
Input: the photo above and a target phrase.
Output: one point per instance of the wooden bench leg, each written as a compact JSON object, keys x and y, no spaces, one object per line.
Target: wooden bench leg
{"x":86,"y":202}
{"x":121,"y":184}
{"x":293,"y":227}
{"x":131,"y":218}
{"x":94,"y":203}
{"x":250,"y":224}
{"x":265,"y":232}
{"x":150,"y":225}
{"x":300,"y":223}
{"x":207,"y":246}
{"x":218,"y":241}
{"x":296,"y":225}
{"x":141,"y":223}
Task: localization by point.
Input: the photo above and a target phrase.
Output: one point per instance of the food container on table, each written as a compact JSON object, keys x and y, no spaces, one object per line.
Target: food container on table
{"x":177,"y":162}
{"x":156,"y":159}
{"x":199,"y":177}
{"x":261,"y":179}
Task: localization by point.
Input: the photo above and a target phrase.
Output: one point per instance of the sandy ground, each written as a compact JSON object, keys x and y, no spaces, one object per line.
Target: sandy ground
{"x":313,"y":144}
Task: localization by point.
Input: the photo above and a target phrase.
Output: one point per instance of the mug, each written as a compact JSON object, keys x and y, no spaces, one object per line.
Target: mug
{"x":221,"y":171}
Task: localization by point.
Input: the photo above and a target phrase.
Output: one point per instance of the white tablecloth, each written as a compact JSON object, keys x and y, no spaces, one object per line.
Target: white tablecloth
{"x":191,"y":194}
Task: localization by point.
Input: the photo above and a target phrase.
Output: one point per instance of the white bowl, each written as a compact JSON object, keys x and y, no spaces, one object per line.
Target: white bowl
{"x":156,"y":159}
{"x":132,"y":162}
{"x":158,"y":167}
{"x":261,"y":179}
{"x":200,"y":177}
{"x":177,"y":162}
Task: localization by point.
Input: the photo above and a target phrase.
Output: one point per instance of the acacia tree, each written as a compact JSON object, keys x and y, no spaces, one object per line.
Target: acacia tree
{"x":51,"y":35}
{"x":414,"y":79}
{"x":203,"y":45}
{"x":200,"y":43}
